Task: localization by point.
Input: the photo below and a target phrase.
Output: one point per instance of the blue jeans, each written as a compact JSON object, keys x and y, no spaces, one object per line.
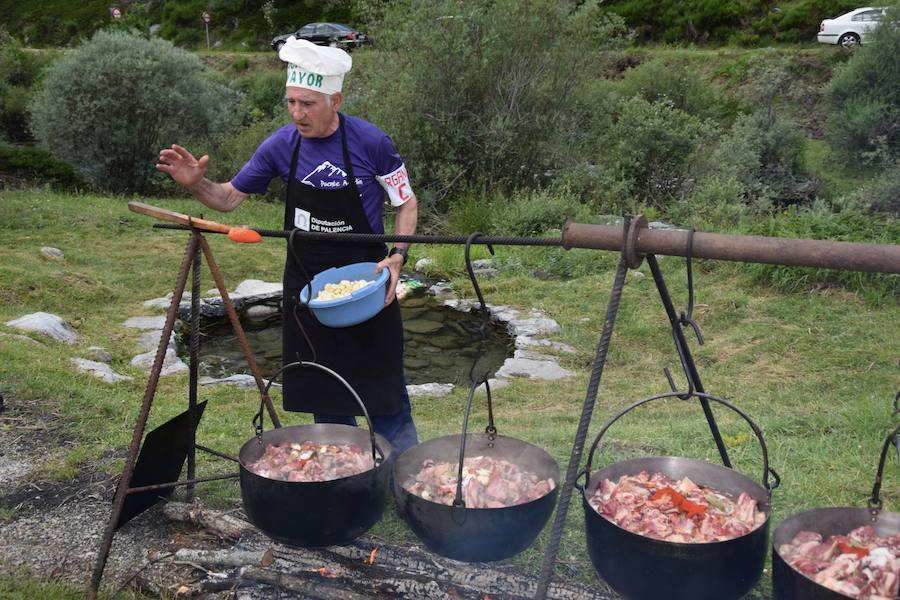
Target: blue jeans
{"x":398,"y":428}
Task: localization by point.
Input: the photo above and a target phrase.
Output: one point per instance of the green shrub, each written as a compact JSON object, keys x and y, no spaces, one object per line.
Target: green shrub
{"x":263,"y":93}
{"x":108,"y":106}
{"x":848,"y":226}
{"x":472,"y":99}
{"x":863,"y":98}
{"x":882,"y":195}
{"x":663,"y":80}
{"x":653,"y":147}
{"x":36,"y":166}
{"x":18,"y":72}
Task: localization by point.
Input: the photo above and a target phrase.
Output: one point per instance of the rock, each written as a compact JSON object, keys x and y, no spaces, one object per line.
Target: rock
{"x":23,"y":338}
{"x":166,"y":301}
{"x":442,"y":291}
{"x":485,"y":273}
{"x":99,"y":354}
{"x":636,"y":275}
{"x":533,"y":325}
{"x":100,"y":370}
{"x":526,"y":341}
{"x":423,"y":263}
{"x":496,"y":384}
{"x":421,"y":326}
{"x":460,"y":305}
{"x":256,"y":287}
{"x":157,"y":322}
{"x":46,"y":324}
{"x":483,"y":263}
{"x":149,"y":340}
{"x":51,"y":253}
{"x":261,"y":312}
{"x":171,"y":364}
{"x":532,"y":369}
{"x":240,"y":380}
{"x":429,"y":389}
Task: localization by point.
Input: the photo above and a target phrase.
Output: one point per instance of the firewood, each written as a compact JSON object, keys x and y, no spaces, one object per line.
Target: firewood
{"x":224,"y":525}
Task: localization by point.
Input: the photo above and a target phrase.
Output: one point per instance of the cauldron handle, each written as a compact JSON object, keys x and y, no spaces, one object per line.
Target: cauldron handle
{"x":378,"y":458}
{"x":767,"y":470}
{"x":875,"y":499}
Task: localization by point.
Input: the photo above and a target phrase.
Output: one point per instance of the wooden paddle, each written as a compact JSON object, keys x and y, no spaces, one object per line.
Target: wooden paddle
{"x":236,"y":234}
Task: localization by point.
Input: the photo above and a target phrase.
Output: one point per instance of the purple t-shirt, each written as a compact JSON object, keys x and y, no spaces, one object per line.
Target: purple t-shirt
{"x":321,"y":162}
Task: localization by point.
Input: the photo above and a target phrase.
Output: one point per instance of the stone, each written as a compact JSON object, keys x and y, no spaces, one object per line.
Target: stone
{"x":485,"y":273}
{"x":23,"y":338}
{"x":99,"y":354}
{"x":636,"y":275}
{"x":526,"y":341}
{"x":460,"y":305}
{"x":149,"y":340}
{"x":239,"y":380}
{"x":496,"y":384}
{"x":532,"y":369}
{"x":256,"y":287}
{"x":101,"y":371}
{"x":157,"y":322}
{"x":442,"y":291}
{"x":421,"y":326}
{"x":46,"y":324}
{"x":166,"y":301}
{"x":51,"y":253}
{"x":429,"y":389}
{"x":532,"y":326}
{"x":483,"y":263}
{"x":171,"y":363}
{"x":423,"y":263}
{"x":261,"y":312}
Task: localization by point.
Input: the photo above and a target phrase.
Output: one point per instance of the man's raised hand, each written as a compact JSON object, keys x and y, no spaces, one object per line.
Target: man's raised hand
{"x":182,"y":166}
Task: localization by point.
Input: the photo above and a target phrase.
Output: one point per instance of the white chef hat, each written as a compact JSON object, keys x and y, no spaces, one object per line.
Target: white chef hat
{"x":319,"y":68}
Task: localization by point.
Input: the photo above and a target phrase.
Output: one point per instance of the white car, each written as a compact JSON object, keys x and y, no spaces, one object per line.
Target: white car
{"x":850,"y":30}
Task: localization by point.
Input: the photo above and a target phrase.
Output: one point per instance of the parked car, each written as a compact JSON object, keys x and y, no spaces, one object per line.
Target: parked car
{"x":850,"y":30}
{"x":325,"y":34}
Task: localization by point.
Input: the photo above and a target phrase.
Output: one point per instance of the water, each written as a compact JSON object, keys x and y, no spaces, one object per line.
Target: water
{"x":441,"y":344}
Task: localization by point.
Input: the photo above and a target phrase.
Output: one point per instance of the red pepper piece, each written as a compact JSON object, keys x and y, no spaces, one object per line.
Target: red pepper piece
{"x":692,"y":508}
{"x":677,"y":498}
{"x":851,"y":549}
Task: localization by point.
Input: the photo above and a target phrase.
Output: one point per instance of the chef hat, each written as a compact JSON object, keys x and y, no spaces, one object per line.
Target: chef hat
{"x":319,"y":68}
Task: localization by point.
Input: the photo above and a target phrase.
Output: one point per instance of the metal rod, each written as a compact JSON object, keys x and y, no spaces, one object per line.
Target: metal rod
{"x":217,"y":453}
{"x":823,"y":254}
{"x":565,"y":494}
{"x":688,"y":357}
{"x":193,"y":370}
{"x":239,"y":331}
{"x":131,"y":457}
{"x":171,"y":484}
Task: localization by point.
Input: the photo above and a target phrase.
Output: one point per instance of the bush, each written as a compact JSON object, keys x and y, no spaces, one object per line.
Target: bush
{"x":18,"y":72}
{"x":479,"y":94}
{"x":848,"y":226}
{"x":108,"y":106}
{"x":662,"y":80}
{"x":36,"y":165}
{"x":880,"y":196}
{"x":863,"y":98}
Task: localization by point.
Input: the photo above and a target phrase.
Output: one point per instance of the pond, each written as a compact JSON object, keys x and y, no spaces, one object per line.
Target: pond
{"x":440,"y":343}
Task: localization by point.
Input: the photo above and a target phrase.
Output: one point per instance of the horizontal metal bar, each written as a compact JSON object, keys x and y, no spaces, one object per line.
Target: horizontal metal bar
{"x":171,"y":484}
{"x":823,"y":254}
{"x":216,"y":453}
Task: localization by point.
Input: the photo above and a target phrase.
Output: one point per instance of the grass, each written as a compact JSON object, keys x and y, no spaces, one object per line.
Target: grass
{"x":816,"y":370}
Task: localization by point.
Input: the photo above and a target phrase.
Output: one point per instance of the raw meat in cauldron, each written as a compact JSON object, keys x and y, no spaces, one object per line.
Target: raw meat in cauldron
{"x":487,"y":483}
{"x":658,"y":507}
{"x":311,"y":461}
{"x":859,"y":565}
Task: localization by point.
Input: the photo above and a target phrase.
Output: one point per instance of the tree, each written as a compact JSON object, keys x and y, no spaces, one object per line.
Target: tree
{"x":108,"y":106}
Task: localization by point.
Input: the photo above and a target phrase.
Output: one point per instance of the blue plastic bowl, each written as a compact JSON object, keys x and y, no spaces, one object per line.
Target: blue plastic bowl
{"x":359,"y":306}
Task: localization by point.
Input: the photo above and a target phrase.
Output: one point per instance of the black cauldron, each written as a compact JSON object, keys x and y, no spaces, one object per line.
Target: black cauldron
{"x":642,"y":568}
{"x":317,"y":513}
{"x":789,"y":584}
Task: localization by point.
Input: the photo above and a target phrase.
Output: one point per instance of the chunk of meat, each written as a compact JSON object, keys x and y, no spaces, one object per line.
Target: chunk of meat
{"x":311,"y":461}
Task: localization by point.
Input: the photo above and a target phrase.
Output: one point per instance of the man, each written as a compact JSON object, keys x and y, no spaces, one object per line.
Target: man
{"x":337,"y":169}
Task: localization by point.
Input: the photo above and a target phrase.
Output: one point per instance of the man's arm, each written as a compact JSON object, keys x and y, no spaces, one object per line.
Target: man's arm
{"x":188,"y":172}
{"x":404,"y":224}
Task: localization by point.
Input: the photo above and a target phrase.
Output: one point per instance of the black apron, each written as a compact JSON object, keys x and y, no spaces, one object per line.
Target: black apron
{"x":369,"y":355}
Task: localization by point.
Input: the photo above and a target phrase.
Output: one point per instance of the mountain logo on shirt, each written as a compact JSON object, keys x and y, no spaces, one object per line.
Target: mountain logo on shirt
{"x":326,"y":176}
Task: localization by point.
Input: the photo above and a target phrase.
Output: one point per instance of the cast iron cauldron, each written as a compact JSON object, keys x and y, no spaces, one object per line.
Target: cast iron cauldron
{"x":789,"y":584}
{"x":641,"y":568}
{"x":475,"y":534}
{"x":318,"y":513}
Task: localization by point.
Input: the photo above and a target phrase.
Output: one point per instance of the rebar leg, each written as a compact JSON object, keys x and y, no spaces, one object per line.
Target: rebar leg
{"x":565,"y":495}
{"x":131,"y":458}
{"x":193,"y":372}
{"x":239,"y":331}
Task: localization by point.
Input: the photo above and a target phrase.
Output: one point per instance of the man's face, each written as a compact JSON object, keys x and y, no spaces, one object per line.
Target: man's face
{"x":312,"y":112}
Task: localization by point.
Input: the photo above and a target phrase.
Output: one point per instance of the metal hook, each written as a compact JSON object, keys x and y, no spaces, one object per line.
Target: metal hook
{"x":482,"y":305}
{"x":687,"y":374}
{"x":687,"y":318}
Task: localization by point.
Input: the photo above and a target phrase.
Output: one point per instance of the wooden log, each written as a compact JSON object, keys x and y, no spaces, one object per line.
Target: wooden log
{"x":225,"y":558}
{"x":297,"y":584}
{"x":222,"y":524}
